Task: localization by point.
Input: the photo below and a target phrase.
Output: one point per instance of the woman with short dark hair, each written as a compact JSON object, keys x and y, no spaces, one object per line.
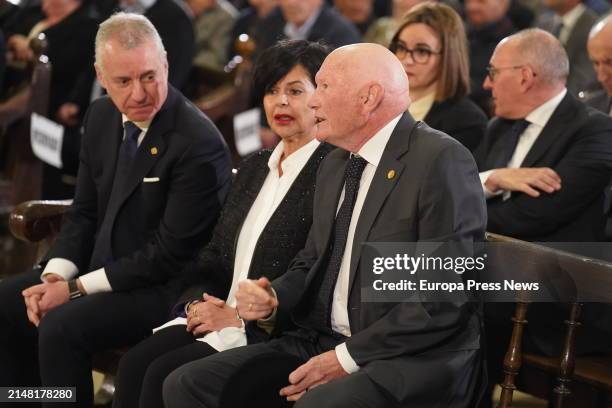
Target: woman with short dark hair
{"x":432,"y":45}
{"x":264,"y":223}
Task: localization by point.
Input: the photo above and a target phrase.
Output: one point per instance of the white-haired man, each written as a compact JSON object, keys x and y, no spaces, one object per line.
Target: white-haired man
{"x":153,"y":175}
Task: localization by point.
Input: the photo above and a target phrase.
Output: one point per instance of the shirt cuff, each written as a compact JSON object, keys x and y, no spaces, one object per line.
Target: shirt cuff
{"x":62,"y":267}
{"x":95,"y":282}
{"x":345,"y":359}
{"x":483,"y":179}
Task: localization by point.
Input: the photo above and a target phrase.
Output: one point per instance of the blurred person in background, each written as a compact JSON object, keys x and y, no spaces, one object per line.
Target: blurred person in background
{"x":358,"y":12}
{"x":213,"y":22}
{"x":432,"y":46}
{"x":487,"y":24}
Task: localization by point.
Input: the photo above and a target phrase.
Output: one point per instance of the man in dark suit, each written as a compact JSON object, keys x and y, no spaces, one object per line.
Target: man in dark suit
{"x":403,"y":182}
{"x":310,"y":20}
{"x":570,"y":21}
{"x":143,"y":207}
{"x":544,"y":165}
{"x":545,"y":159}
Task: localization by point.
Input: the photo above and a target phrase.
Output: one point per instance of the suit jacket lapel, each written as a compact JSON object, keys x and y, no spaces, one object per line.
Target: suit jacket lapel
{"x":329,"y":189}
{"x":381,"y":187}
{"x":556,"y":126}
{"x":153,"y":145}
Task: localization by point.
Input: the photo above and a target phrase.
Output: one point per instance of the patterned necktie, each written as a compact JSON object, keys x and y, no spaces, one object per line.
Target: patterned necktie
{"x":508,"y":143}
{"x":102,"y":252}
{"x":321,"y":308}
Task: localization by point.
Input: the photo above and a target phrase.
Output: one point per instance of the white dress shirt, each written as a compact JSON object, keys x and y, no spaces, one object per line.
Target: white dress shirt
{"x":371,"y":151}
{"x":270,"y":195}
{"x":95,"y":281}
{"x":537,"y":118}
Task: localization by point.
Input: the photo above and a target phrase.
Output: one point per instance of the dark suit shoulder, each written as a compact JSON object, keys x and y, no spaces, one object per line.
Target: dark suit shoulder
{"x":334,"y":29}
{"x":460,"y":118}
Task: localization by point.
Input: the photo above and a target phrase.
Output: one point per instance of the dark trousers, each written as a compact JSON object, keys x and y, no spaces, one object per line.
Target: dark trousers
{"x":253,"y":376}
{"x":144,"y":368}
{"x":59,"y":352}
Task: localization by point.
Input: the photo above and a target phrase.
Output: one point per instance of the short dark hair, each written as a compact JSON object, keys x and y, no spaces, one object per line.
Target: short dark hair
{"x":276,"y":62}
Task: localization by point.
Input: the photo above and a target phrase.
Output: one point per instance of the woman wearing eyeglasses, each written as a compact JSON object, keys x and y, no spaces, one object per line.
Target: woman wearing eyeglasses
{"x":432,"y":46}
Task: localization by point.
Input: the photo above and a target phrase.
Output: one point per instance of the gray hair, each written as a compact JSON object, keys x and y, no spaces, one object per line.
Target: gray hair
{"x":544,"y":53}
{"x":130,"y":30}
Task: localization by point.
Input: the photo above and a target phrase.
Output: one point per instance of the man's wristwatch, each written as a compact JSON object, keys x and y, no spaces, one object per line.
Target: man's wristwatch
{"x":74,"y":290}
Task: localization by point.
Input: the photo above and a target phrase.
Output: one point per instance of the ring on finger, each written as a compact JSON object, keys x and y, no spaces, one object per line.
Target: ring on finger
{"x":250,"y":307}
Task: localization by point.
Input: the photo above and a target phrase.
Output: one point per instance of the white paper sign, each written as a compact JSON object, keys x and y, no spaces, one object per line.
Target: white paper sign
{"x":246,"y":131}
{"x":46,"y":138}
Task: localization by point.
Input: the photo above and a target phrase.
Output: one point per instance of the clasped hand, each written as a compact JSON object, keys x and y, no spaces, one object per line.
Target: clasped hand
{"x":212,"y":314}
{"x":41,"y":298}
{"x":255,"y":299}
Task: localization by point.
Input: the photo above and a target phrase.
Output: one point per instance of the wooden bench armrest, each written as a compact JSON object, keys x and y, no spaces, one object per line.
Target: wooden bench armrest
{"x":33,"y":221}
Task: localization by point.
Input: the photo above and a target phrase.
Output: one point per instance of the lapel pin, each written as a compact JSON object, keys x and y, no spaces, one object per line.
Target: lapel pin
{"x":390,"y":174}
{"x":154,"y":151}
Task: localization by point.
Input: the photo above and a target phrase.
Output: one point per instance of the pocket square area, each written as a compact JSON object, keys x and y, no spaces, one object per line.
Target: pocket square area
{"x":150,"y":179}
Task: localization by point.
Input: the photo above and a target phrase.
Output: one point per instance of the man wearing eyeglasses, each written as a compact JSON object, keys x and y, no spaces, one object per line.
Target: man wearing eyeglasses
{"x":544,"y":164}
{"x":545,"y":159}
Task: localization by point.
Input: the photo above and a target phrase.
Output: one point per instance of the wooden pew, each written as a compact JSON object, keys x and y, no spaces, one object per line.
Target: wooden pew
{"x":567,"y":380}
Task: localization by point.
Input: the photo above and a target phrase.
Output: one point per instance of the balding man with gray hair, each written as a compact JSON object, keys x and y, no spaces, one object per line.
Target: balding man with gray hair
{"x":153,"y":175}
{"x":392,"y":179}
{"x":545,"y":158}
{"x":544,"y":165}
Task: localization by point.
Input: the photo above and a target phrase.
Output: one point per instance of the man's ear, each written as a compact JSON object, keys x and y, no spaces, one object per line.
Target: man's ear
{"x":528,"y":77}
{"x":371,"y":96}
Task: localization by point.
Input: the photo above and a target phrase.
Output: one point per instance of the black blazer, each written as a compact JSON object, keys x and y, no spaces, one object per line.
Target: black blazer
{"x":409,"y":349}
{"x":330,"y":27}
{"x":283,"y":236}
{"x":460,"y":118}
{"x":160,"y":224}
{"x":576,"y":143}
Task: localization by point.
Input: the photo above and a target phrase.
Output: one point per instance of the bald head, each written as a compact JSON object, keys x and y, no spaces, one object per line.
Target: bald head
{"x":543,"y":52}
{"x":600,"y":52}
{"x":360,"y":88}
{"x":364,"y":64}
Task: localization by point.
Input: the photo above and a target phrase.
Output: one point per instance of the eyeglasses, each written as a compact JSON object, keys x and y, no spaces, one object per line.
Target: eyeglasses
{"x":419,"y":55}
{"x":492,"y":71}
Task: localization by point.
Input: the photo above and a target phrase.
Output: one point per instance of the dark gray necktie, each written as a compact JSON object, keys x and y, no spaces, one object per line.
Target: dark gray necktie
{"x":507,"y":144}
{"x":102,"y":252}
{"x":321,"y":308}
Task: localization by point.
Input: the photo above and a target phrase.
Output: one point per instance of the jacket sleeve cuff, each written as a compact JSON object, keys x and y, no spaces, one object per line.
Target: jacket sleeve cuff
{"x":96,"y":282}
{"x":345,"y":359}
{"x":62,"y":267}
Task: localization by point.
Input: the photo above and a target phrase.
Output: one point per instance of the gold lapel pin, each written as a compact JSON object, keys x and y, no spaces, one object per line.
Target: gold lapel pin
{"x":390,"y":174}
{"x":154,"y":151}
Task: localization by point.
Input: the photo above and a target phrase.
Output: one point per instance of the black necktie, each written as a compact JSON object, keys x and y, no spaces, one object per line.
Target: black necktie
{"x":102,"y":252}
{"x":508,"y":142}
{"x":320,"y":313}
